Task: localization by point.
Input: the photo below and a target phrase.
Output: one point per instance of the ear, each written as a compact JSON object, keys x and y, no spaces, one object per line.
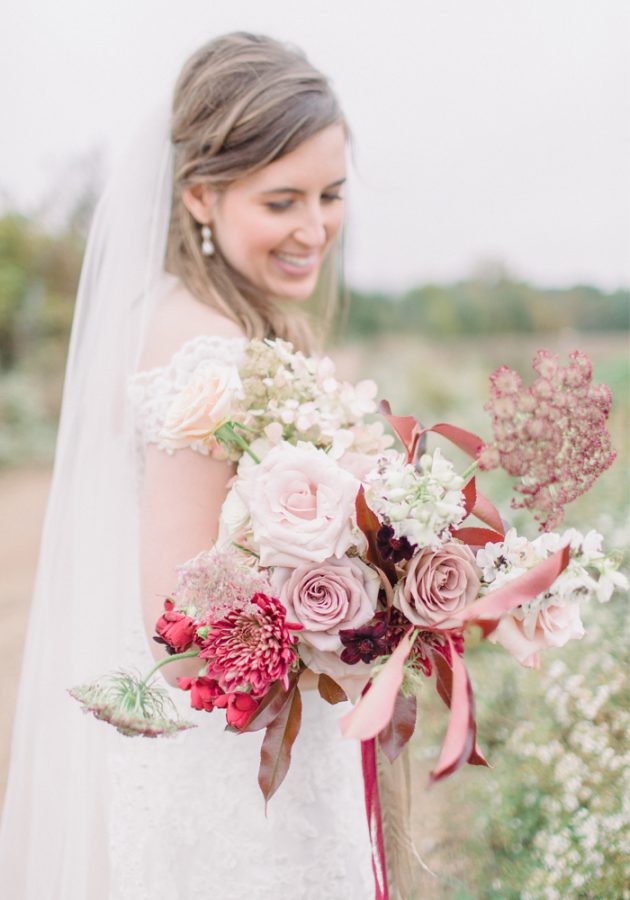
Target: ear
{"x":200,"y":200}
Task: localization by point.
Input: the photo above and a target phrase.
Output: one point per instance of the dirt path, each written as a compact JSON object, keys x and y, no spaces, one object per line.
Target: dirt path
{"x":23,"y":494}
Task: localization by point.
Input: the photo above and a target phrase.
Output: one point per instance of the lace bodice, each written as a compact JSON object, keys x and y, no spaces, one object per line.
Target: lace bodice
{"x":151,"y":391}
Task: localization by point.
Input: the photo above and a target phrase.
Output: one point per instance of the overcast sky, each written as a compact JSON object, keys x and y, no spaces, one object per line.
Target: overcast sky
{"x":485,"y":130}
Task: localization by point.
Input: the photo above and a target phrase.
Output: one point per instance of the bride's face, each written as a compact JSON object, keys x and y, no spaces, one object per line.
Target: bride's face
{"x":276,"y":226}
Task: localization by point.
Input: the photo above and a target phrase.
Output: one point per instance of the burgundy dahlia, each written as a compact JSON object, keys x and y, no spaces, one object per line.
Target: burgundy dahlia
{"x":253,"y":646}
{"x":392,"y":548}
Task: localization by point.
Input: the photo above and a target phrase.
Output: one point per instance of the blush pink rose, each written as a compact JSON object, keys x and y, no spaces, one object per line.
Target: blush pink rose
{"x":438,"y":585}
{"x":207,"y":402}
{"x":326,"y":597}
{"x":523,"y":636}
{"x":301,"y":505}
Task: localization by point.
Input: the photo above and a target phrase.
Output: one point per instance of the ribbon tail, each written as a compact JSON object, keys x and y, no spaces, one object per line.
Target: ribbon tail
{"x":375,"y":822}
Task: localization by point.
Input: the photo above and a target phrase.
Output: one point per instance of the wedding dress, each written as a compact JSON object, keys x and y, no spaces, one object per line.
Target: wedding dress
{"x":187,"y":815}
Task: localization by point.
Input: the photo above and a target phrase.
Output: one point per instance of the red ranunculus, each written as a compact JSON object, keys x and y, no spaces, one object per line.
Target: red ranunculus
{"x":175,"y":629}
{"x":239,"y":707}
{"x":204,"y":692}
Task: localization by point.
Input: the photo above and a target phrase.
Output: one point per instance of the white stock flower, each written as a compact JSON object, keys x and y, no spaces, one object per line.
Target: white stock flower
{"x":419,"y":505}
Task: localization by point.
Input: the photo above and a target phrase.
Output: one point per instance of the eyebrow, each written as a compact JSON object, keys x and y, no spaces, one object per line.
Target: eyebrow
{"x":292,"y":190}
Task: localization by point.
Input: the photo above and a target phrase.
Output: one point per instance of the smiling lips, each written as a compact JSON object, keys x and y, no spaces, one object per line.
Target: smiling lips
{"x":293,"y":264}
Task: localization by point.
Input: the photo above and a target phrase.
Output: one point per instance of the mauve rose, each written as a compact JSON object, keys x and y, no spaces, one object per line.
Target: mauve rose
{"x":524,"y":637}
{"x":438,"y":584}
{"x":326,"y":597}
{"x":206,"y":403}
{"x":176,"y":629}
{"x":301,"y":505}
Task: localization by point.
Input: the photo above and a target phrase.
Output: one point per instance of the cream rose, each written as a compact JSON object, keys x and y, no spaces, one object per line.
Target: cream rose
{"x":301,"y":505}
{"x":206,"y":403}
{"x":327,"y":597}
{"x":438,"y":584}
{"x":524,"y":634}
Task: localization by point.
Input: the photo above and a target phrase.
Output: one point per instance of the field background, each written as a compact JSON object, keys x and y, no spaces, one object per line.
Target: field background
{"x":431,"y":352}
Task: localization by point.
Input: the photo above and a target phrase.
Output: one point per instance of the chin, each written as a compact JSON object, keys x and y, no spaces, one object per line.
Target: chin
{"x":293,"y":291}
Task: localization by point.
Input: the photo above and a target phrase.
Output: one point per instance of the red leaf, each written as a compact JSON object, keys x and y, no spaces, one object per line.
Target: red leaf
{"x":470,"y":495}
{"x":444,"y":686}
{"x":461,"y":734}
{"x":275,"y":751}
{"x":270,"y":706}
{"x":478,"y":537}
{"x":329,"y":690}
{"x":400,"y":728}
{"x":369,"y":524}
{"x":408,"y":429}
{"x":465,"y":440}
{"x":487,"y":512}
{"x":523,"y":588}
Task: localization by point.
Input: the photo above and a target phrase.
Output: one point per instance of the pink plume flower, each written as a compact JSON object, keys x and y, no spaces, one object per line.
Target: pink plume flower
{"x":251,"y":647}
{"x":552,"y":435}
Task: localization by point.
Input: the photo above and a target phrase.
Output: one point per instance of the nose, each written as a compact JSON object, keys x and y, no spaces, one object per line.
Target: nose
{"x":312,"y":230}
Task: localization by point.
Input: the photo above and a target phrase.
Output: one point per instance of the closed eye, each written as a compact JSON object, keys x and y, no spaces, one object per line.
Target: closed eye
{"x":329,"y":198}
{"x":281,"y":205}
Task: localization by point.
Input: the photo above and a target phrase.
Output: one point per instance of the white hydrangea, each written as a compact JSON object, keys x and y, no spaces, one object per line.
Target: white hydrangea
{"x":421,"y":504}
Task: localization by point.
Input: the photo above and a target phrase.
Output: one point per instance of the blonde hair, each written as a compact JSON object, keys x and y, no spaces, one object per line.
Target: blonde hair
{"x":241,"y":102}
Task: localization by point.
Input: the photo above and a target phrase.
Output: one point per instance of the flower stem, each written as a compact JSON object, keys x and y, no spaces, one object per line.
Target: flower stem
{"x":189,"y":654}
{"x":471,"y":468}
{"x":228,"y":434}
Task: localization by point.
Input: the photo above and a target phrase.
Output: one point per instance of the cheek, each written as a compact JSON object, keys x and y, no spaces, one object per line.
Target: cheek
{"x":335,"y":221}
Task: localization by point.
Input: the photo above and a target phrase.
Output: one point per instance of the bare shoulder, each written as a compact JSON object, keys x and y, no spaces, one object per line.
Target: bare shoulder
{"x":178,"y":318}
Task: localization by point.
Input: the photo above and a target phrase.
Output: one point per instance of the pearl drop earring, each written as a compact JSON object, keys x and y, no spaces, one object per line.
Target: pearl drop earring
{"x":207,"y":247}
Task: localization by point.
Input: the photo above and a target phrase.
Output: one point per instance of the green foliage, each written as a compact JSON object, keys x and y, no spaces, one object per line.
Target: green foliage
{"x":487,"y":307}
{"x":39,"y":273}
{"x":556,"y":818}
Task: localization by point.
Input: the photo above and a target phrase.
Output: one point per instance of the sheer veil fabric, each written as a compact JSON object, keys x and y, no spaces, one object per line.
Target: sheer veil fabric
{"x":89,"y":814}
{"x":54,"y":825}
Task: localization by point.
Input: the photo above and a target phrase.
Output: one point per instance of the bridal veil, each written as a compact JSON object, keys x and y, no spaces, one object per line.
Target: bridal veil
{"x":53,"y":837}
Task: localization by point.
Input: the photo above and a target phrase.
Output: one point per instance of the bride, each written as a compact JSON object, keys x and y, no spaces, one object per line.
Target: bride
{"x":201,"y":241}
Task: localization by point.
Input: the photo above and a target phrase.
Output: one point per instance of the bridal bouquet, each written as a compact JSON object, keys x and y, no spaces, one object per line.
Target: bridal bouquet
{"x":365,"y":563}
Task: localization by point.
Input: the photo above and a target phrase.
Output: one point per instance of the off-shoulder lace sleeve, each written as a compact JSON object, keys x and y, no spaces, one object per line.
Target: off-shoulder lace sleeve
{"x":151,"y":391}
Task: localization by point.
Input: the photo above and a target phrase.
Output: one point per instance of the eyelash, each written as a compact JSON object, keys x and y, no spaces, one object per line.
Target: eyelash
{"x":282,"y":205}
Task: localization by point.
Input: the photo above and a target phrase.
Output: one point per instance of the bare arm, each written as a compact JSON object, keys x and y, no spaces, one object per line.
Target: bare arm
{"x":182,"y":499}
{"x":182,"y":492}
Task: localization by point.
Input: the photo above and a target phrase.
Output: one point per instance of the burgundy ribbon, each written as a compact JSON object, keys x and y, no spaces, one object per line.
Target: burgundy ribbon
{"x":375,"y":823}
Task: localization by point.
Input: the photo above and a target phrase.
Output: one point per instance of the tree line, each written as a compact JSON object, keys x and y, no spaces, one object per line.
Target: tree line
{"x":39,"y":271}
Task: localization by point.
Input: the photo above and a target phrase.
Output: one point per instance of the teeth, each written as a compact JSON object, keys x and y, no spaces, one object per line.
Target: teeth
{"x":299,"y":261}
